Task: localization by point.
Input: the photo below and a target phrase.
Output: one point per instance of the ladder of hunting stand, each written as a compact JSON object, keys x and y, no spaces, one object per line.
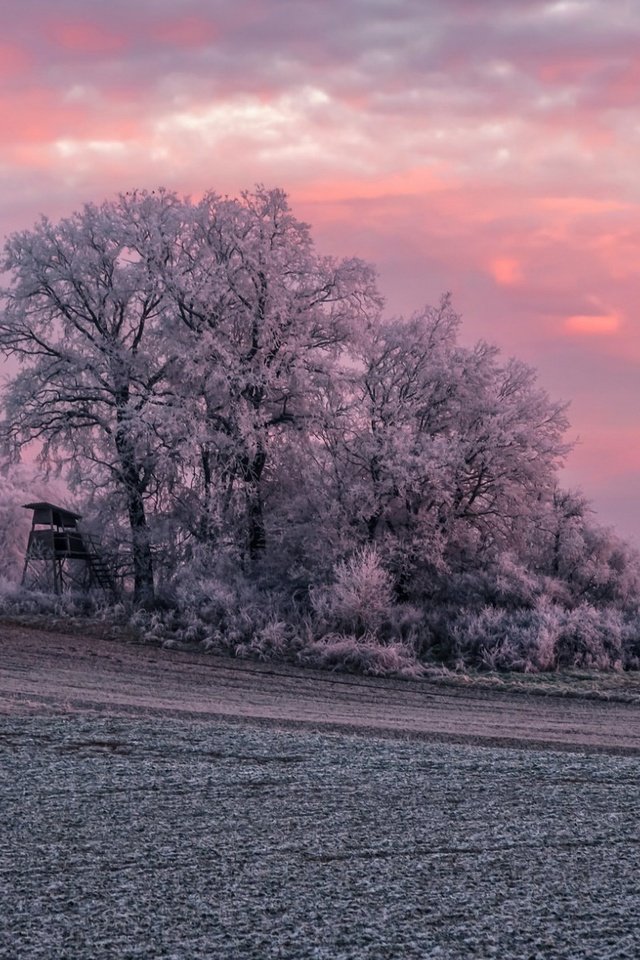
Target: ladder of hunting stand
{"x":101,"y":571}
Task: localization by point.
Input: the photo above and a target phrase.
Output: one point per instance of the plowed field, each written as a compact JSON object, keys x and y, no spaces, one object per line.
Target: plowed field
{"x":157,"y":804}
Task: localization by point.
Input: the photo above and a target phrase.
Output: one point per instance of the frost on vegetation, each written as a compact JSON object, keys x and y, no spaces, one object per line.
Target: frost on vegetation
{"x":546,"y":637}
{"x":16,"y":602}
{"x":364,"y":654}
{"x":360,"y":598}
{"x":281,"y":471}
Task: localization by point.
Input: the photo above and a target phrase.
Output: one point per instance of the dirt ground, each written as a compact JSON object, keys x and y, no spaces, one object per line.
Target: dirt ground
{"x":167,"y":805}
{"x":43,"y":673}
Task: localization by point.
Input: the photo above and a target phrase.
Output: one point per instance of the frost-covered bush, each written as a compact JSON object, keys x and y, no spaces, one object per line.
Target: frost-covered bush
{"x":211,"y":602}
{"x":360,"y":599}
{"x":363,"y":654}
{"x":591,"y":637}
{"x":17,"y":601}
{"x":544,"y":637}
{"x":275,"y":640}
{"x":631,"y":643}
{"x":495,"y":638}
{"x":503,"y":581}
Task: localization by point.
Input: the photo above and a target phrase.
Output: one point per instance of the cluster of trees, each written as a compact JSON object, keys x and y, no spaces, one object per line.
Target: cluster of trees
{"x":240,"y":402}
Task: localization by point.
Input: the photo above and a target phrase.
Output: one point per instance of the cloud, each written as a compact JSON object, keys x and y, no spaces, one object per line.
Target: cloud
{"x":184,"y":32}
{"x":507,"y":271}
{"x":84,"y":37}
{"x":598,"y":324}
{"x":14,"y":60}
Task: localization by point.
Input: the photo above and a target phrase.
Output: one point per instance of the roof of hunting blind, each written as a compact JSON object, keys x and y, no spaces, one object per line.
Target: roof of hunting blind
{"x":59,"y":515}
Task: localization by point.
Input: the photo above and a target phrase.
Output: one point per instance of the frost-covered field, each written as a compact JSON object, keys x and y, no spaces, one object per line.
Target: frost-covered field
{"x":57,"y":673}
{"x":186,"y":839}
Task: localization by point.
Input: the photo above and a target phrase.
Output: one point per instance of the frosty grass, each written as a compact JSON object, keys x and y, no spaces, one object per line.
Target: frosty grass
{"x":166,"y":839}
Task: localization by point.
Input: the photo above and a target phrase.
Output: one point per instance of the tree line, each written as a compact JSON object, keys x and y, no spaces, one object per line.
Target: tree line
{"x":231,"y":396}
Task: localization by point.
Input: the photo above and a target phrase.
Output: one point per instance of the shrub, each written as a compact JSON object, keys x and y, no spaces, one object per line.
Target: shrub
{"x":592,"y":638}
{"x":360,"y":599}
{"x":545,"y":637}
{"x":364,"y":654}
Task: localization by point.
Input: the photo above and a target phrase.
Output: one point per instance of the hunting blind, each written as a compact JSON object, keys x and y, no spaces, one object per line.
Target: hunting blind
{"x":60,"y":556}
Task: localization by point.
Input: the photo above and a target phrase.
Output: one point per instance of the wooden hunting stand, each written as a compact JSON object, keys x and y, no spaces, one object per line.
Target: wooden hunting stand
{"x":62,"y":557}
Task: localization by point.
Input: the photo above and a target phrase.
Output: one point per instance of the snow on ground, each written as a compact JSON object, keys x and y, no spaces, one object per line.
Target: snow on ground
{"x":167,"y":838}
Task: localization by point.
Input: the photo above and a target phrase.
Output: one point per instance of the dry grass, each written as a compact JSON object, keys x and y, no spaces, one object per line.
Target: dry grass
{"x":616,"y":686}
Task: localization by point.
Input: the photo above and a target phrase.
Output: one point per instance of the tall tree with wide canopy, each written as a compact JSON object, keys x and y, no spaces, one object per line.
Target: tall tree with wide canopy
{"x":263,"y":317}
{"x":82,"y":315}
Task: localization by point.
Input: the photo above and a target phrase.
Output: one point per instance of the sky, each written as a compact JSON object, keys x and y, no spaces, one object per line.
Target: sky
{"x":485,"y":147}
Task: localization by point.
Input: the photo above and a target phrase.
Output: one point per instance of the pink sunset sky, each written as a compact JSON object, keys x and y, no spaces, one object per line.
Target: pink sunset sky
{"x":487,"y":147}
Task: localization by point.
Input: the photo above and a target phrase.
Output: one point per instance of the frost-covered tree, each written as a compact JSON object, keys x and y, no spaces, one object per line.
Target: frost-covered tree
{"x":166,"y":345}
{"x":591,"y":562}
{"x":232,"y":396}
{"x":441,"y":451}
{"x":82,"y":315}
{"x":263,"y":316}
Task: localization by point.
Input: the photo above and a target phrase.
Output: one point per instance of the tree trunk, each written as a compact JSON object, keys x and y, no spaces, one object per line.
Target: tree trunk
{"x":206,"y":520}
{"x":372,"y":525}
{"x":143,"y":589}
{"x":255,"y":522}
{"x":256,"y":531}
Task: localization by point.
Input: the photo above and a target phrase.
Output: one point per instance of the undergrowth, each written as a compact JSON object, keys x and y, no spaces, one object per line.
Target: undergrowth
{"x":354,"y":623}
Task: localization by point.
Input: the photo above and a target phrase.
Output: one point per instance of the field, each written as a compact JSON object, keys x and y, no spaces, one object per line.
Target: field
{"x":136,"y":825}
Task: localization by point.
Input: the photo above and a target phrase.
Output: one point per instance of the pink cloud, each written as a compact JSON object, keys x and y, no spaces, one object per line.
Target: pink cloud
{"x":416,"y":182}
{"x":600,"y":324}
{"x":83,"y":36}
{"x":572,"y":68}
{"x":14,"y":59}
{"x":36,"y":115}
{"x":620,"y":88}
{"x":581,"y":206}
{"x":40,"y":116}
{"x":187,"y":32}
{"x":506,"y":271}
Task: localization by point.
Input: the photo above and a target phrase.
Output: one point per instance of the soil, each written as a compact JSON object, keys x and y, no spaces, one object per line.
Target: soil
{"x":56,"y":673}
{"x":170,"y":805}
